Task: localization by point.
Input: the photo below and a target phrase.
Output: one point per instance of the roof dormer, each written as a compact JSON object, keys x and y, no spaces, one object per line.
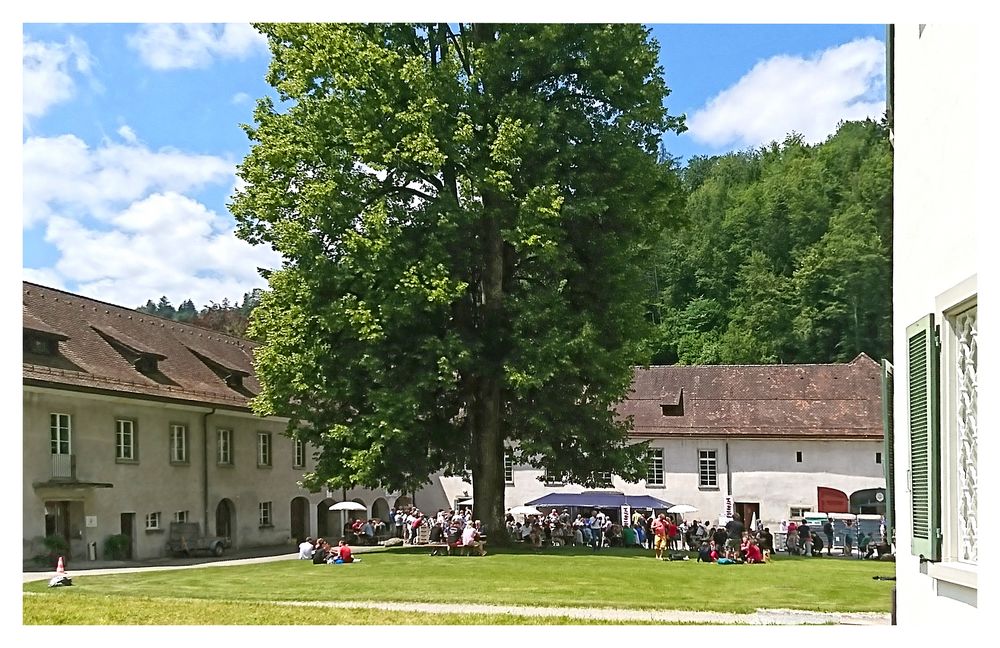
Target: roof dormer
{"x":232,"y":376}
{"x":142,"y":357}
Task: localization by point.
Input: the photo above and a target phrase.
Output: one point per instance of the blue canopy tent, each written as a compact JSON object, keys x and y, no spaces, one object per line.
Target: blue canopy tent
{"x":598,"y":500}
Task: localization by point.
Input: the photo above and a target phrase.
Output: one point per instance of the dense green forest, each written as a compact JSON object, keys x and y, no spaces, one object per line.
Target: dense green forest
{"x":783,"y":255}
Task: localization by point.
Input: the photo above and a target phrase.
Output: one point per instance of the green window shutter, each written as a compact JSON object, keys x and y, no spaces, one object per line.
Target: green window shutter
{"x":923,"y":349}
{"x":888,"y":465}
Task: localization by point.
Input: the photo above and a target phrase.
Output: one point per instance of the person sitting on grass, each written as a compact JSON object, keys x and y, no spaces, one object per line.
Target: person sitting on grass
{"x":320,"y":551}
{"x":705,"y":552}
{"x":306,"y":548}
{"x":753,"y":553}
{"x":343,"y":554}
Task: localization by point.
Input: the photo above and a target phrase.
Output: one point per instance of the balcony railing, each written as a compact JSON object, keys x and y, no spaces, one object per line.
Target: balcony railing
{"x":63,"y":466}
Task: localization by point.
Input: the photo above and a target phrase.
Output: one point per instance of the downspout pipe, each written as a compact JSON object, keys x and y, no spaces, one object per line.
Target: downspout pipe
{"x":204,"y":466}
{"x":729,"y":473}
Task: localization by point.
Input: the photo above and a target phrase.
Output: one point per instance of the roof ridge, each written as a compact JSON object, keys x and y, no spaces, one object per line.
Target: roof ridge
{"x":188,"y":325}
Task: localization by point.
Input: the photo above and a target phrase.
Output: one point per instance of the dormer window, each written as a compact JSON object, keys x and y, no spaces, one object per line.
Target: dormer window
{"x":674,"y":409}
{"x":232,"y":376}
{"x":234,"y":380}
{"x":40,"y":345}
{"x":144,"y":359}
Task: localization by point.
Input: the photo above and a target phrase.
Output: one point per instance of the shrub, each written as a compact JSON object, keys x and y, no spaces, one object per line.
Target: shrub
{"x":116,"y":547}
{"x":55,"y":545}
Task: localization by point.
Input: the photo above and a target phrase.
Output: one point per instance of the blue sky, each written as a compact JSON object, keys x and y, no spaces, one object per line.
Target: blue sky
{"x":131,"y":134}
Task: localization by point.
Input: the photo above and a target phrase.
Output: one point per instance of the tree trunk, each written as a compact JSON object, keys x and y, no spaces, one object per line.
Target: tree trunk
{"x":488,"y":431}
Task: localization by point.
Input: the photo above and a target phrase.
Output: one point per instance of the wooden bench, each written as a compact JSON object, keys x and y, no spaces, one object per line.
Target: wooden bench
{"x":458,"y":547}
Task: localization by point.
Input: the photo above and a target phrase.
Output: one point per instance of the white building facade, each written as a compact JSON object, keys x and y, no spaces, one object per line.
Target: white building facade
{"x":935,"y":322}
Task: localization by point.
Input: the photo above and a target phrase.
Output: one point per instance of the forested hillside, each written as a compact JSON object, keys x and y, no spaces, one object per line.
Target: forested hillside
{"x":783,"y":256}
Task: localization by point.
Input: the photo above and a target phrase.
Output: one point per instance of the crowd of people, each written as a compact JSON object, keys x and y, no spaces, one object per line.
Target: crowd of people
{"x":455,"y":528}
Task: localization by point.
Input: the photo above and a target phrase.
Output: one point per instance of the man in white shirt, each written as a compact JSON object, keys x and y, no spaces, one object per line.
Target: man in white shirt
{"x":306,"y":549}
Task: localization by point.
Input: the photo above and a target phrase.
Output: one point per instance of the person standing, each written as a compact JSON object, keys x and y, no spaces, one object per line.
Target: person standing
{"x":660,"y":535}
{"x":828,"y":532}
{"x":734,"y":532}
{"x":805,"y":538}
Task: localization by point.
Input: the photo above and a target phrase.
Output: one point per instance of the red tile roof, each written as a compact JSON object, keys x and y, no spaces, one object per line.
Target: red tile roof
{"x":98,"y":366}
{"x":821,"y":401}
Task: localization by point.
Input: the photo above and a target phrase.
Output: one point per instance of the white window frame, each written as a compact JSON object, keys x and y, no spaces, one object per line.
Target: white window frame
{"x":798,"y":511}
{"x":264,"y":514}
{"x":952,"y":303}
{"x":508,"y":468}
{"x":707,"y":461}
{"x":181,"y":516}
{"x":125,"y":440}
{"x":263,"y":449}
{"x":178,"y":443}
{"x":299,"y":454}
{"x":153,"y":521}
{"x":224,"y":446}
{"x":60,"y":436}
{"x":654,"y":456}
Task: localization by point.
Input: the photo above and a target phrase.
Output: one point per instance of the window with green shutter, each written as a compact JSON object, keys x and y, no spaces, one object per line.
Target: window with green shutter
{"x":888,"y":465}
{"x":923,"y":352}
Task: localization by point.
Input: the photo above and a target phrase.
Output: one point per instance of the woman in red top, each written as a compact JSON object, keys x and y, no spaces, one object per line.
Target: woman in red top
{"x":753,"y":553}
{"x":344,"y":553}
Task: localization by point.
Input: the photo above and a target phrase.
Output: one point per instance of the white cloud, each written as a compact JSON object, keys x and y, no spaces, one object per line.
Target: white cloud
{"x":48,"y":70}
{"x":64,"y":175}
{"x":240,"y":98}
{"x":806,"y":95}
{"x":173,"y":46}
{"x":127,"y":134}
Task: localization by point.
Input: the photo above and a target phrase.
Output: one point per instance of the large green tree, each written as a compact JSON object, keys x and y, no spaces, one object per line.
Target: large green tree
{"x":463,"y":211}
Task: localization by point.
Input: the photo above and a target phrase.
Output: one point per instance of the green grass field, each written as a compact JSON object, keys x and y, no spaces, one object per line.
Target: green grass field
{"x":617,"y":578}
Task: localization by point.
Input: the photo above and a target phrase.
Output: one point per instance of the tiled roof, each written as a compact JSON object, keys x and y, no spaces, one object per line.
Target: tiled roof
{"x":87,"y":361}
{"x":791,"y":401}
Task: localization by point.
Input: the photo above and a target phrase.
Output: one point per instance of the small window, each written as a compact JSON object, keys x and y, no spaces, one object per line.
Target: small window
{"x":799,"y":511}
{"x":178,"y":444}
{"x":604,"y":478}
{"x":878,"y":457}
{"x":552,"y":479}
{"x":508,"y":468}
{"x":708,"y":469}
{"x":224,"y":447}
{"x":654,"y":467}
{"x":181,"y":516}
{"x":299,"y":460}
{"x":264,"y":514}
{"x":125,"y":440}
{"x":263,"y":448}
{"x":153,"y":520}
{"x":798,"y":456}
{"x":39,"y":345}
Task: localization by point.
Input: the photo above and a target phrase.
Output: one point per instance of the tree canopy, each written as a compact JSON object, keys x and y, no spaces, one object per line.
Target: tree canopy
{"x":464,"y":212}
{"x":785,"y":255}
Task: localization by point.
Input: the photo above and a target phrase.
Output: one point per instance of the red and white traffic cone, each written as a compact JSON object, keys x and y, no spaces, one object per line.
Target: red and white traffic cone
{"x":60,"y":569}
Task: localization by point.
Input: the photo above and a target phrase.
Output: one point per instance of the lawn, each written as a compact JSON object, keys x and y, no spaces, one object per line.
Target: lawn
{"x":617,"y":578}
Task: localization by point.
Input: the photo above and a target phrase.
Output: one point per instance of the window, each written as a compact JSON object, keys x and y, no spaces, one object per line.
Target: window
{"x":553,"y":479}
{"x":708,"y":469}
{"x":40,"y":345}
{"x":878,"y":457}
{"x":125,"y":440}
{"x":674,"y":409}
{"x":263,"y":448}
{"x":178,"y":444}
{"x":798,"y":511}
{"x":59,"y":434}
{"x":798,"y":456}
{"x":603,"y":478}
{"x":299,"y":458}
{"x":962,"y":382}
{"x":654,"y":467}
{"x":153,"y":520}
{"x":508,"y":468}
{"x":264,"y":514}
{"x":181,"y":516}
{"x":224,"y":447}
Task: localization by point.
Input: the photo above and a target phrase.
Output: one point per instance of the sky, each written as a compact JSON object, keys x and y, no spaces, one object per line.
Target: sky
{"x":131,"y":133}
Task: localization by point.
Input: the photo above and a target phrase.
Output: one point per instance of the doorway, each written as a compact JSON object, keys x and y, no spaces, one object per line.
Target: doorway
{"x":300,"y":518}
{"x":225,"y":520}
{"x":748,"y":512}
{"x":326,"y":525}
{"x":128,"y":530}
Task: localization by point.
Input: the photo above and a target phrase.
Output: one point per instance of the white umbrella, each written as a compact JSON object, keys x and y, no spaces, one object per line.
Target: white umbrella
{"x":348,"y":506}
{"x":525,"y":510}
{"x":681,"y":508}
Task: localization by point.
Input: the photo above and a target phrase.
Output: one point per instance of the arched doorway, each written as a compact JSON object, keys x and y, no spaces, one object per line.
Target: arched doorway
{"x":326,"y":520}
{"x":359,"y":515}
{"x":380,"y":510}
{"x":299,"y":509}
{"x":402,"y":502}
{"x":225,"y":521}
